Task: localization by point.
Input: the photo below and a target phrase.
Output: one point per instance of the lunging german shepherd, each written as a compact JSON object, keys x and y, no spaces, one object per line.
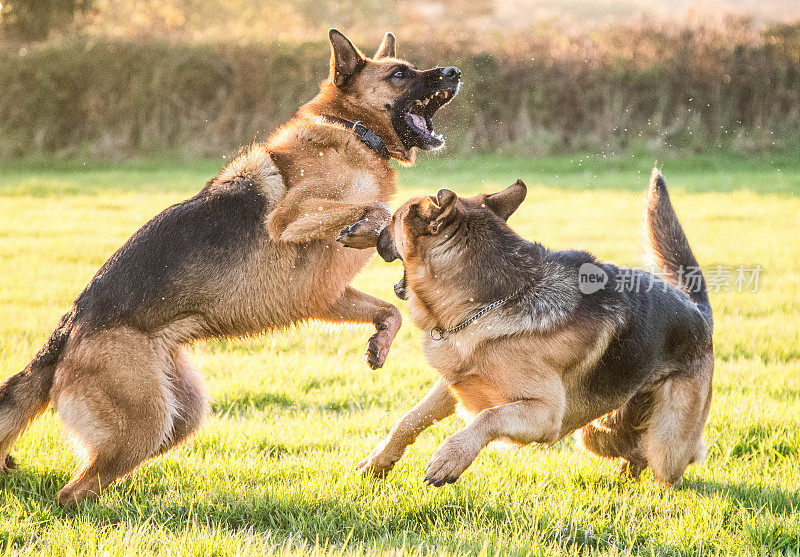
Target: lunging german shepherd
{"x":532,"y":349}
{"x":254,"y":250}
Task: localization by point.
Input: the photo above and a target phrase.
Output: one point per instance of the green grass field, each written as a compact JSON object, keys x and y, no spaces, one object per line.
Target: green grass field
{"x":272,"y":469}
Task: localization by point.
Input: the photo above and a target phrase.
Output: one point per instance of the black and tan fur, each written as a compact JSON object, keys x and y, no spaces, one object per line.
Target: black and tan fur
{"x":255,"y":250}
{"x":628,"y":368}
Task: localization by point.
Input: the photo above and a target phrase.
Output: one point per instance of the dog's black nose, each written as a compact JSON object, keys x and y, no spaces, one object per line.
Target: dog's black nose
{"x":452,"y":72}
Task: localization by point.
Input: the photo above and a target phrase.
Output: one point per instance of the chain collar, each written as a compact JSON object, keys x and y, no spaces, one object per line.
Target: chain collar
{"x":437,"y":333}
{"x":362,"y":132}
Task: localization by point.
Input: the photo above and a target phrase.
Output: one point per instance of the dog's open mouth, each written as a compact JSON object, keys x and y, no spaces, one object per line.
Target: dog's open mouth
{"x":400,"y":288}
{"x":414,"y":119}
{"x":419,"y":116}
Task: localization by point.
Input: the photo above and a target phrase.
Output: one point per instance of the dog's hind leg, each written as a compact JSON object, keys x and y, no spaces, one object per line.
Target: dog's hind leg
{"x":609,"y":443}
{"x":191,"y":401}
{"x":618,"y":435}
{"x":112,"y":392}
{"x":674,"y":436}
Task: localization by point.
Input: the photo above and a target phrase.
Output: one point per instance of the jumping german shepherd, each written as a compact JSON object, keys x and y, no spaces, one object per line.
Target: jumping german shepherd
{"x":533,"y":350}
{"x":254,"y":250}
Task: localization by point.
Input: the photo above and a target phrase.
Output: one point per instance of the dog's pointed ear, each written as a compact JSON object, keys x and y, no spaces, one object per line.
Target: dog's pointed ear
{"x":346,"y":59}
{"x":504,"y":203}
{"x":386,"y":49}
{"x":443,"y":204}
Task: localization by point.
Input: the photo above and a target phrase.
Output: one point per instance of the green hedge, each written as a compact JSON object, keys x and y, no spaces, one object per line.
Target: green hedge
{"x":691,"y":89}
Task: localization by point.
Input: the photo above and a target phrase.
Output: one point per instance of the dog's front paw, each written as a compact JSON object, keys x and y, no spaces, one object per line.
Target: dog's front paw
{"x":378,"y":346}
{"x":364,"y":233}
{"x":377,"y":350}
{"x":353,"y":236}
{"x":360,"y":235}
{"x":451,"y":459}
{"x":379,"y":462}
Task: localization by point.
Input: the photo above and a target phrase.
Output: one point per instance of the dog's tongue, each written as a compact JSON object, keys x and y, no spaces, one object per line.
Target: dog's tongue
{"x":419,"y":121}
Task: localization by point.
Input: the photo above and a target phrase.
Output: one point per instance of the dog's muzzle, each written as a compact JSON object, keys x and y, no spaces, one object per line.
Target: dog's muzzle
{"x":386,"y":247}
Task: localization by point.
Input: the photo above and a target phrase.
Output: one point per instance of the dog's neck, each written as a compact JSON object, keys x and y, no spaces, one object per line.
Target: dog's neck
{"x":332,"y":102}
{"x":481,"y":265}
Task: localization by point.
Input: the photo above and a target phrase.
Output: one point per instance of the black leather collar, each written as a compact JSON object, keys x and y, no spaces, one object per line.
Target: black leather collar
{"x":366,"y":135}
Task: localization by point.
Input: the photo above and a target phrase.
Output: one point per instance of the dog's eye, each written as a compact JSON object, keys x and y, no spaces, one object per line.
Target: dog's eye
{"x":399,"y":74}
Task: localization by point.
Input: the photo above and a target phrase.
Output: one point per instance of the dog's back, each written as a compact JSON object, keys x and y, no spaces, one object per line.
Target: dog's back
{"x":182,"y":261}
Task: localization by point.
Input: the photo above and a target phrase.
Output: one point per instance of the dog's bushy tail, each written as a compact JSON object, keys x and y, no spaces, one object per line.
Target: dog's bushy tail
{"x":25,"y":395}
{"x":668,"y":247}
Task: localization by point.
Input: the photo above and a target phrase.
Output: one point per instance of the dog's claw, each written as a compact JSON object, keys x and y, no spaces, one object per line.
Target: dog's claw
{"x":381,"y":461}
{"x":375,"y":361}
{"x":400,"y":288}
{"x":450,"y":460}
{"x":358,"y":235}
{"x":430,"y":482}
{"x":368,"y":468}
{"x":345,"y":233}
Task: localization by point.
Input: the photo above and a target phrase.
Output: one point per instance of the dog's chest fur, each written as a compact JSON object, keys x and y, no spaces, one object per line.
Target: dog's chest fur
{"x":495,"y":361}
{"x":363,"y":185}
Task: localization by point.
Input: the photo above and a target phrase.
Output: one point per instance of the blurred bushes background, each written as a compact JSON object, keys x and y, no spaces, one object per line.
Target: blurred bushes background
{"x":198,"y":78}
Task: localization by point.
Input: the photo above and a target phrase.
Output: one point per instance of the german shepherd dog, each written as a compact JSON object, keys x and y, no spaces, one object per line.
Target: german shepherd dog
{"x":254,"y":250}
{"x":531,"y":353}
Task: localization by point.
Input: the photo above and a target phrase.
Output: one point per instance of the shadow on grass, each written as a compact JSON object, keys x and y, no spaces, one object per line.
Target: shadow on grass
{"x":749,"y":496}
{"x":246,"y":402}
{"x":28,"y":483}
{"x":338,"y":523}
{"x":242,"y":403}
